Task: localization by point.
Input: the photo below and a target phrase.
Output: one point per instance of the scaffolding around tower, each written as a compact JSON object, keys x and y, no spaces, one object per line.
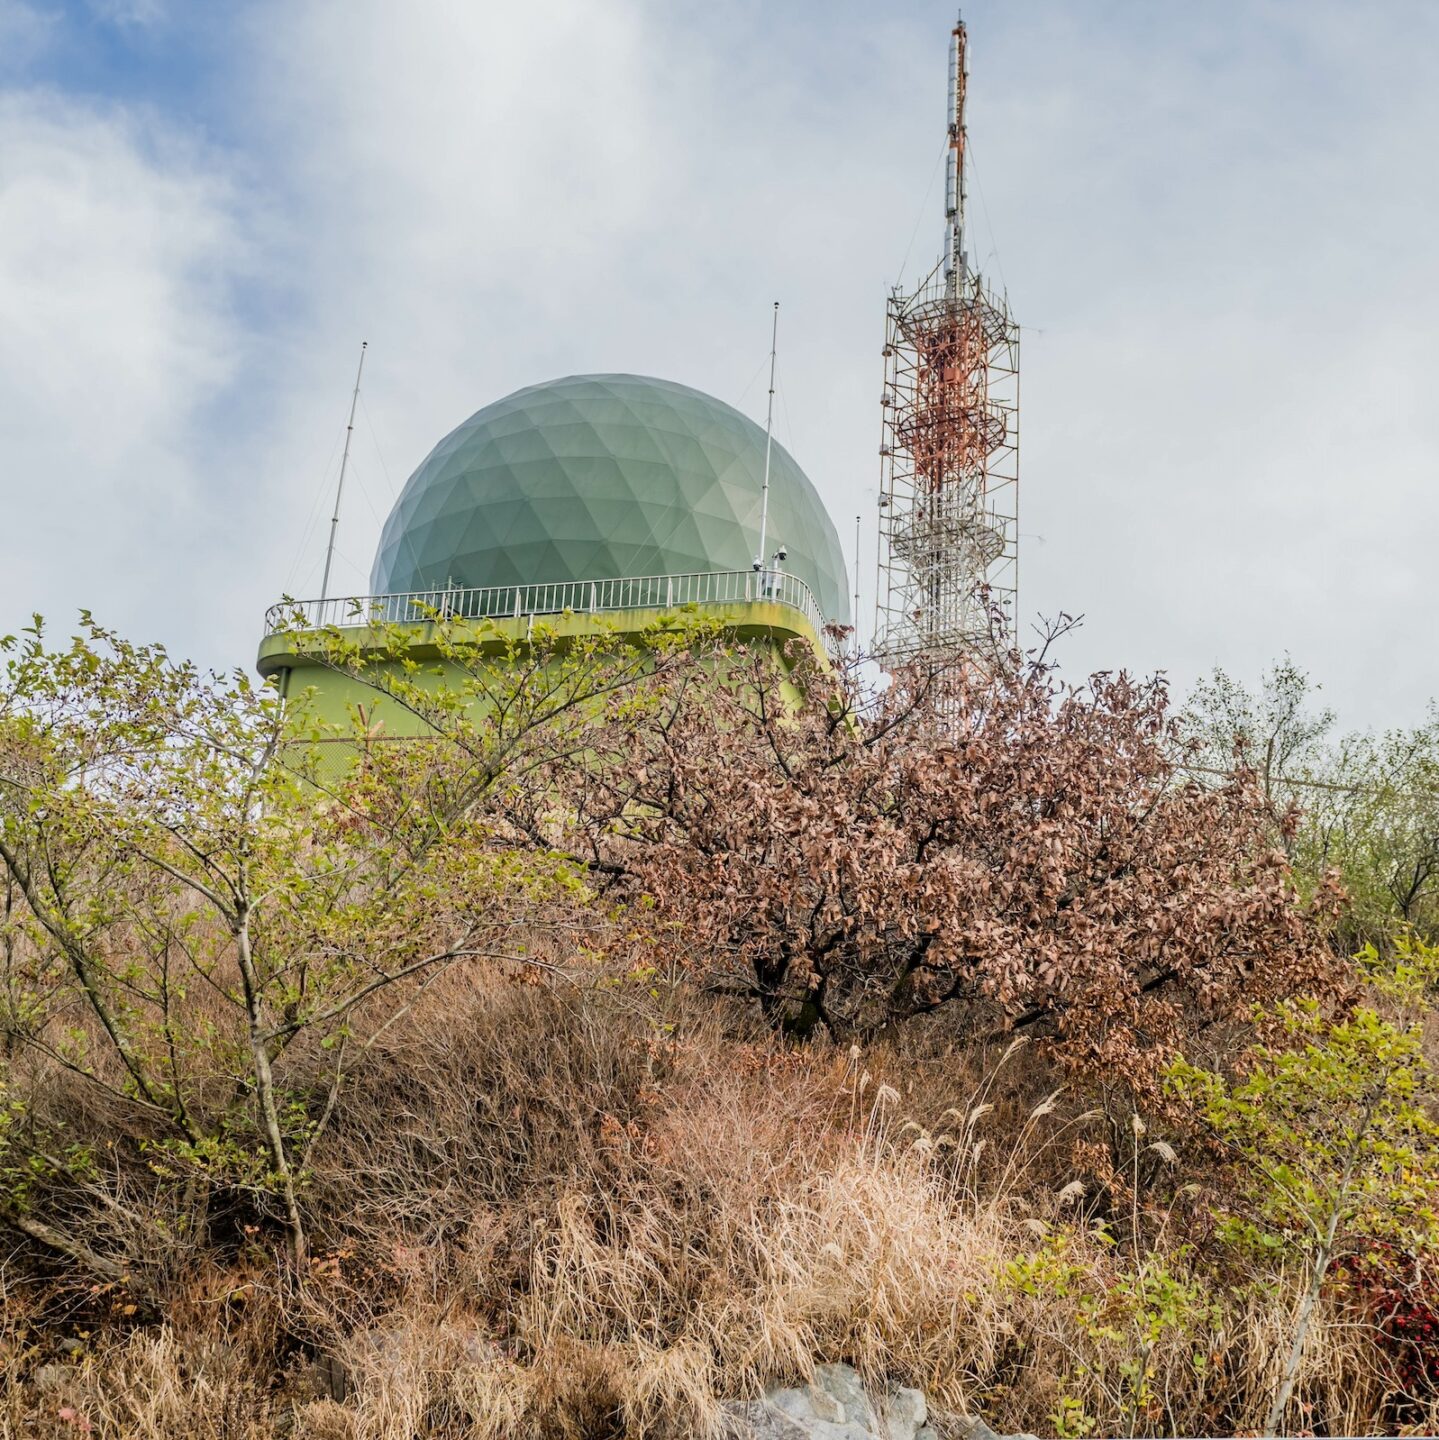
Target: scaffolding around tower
{"x":949,"y":480}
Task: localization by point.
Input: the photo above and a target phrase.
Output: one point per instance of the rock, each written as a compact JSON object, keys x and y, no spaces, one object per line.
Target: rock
{"x":904,"y":1415}
{"x":971,"y":1427}
{"x":759,"y":1420}
{"x":54,"y":1377}
{"x":842,"y":1383}
{"x":835,"y":1406}
{"x":809,"y":1406}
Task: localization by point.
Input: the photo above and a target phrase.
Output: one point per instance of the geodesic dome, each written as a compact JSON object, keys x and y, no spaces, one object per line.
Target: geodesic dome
{"x":598,"y":477}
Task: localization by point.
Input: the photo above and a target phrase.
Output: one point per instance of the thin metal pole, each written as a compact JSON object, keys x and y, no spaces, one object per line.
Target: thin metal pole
{"x":762,"y":559}
{"x":858,"y":520}
{"x":955,"y":263}
{"x":344,"y":463}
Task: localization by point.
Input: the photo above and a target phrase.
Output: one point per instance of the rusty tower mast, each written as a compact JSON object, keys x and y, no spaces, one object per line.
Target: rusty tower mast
{"x":949,"y":483}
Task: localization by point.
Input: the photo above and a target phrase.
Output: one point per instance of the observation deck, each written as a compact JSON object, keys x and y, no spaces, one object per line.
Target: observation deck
{"x":770,"y":604}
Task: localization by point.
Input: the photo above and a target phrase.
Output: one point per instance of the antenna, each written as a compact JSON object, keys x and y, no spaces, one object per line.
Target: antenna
{"x":948,"y":551}
{"x":344,"y":462}
{"x":956,"y":263}
{"x":858,"y":520}
{"x":760,"y":559}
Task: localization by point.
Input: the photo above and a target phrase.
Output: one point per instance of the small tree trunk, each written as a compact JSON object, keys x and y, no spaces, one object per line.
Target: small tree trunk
{"x":265,"y":1088}
{"x":102,"y":1265}
{"x":1301,"y":1330}
{"x":1322,"y":1257}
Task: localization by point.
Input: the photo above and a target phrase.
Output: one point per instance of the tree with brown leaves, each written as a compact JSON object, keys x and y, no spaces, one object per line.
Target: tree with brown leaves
{"x":985,"y":841}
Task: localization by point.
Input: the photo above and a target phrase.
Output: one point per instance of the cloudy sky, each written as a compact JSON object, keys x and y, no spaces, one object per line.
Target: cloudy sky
{"x":1216,"y":223}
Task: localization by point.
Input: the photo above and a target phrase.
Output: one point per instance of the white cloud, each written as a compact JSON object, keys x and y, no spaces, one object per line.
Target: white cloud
{"x":1214,"y":221}
{"x":1223,"y":233}
{"x":115,"y":252}
{"x":495,"y":196}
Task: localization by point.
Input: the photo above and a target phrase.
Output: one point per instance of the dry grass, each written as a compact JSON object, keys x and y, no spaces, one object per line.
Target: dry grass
{"x":150,"y":1386}
{"x":578,"y":1211}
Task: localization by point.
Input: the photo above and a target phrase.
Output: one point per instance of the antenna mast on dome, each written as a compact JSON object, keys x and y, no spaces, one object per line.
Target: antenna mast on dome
{"x":858,"y":528}
{"x":949,"y":456}
{"x":760,"y":561}
{"x":344,"y":464}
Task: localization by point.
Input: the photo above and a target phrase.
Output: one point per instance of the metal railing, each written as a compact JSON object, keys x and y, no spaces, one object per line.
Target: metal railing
{"x":579,"y":597}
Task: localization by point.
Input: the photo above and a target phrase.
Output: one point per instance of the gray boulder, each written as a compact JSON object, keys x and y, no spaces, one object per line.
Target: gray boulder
{"x":836,"y":1406}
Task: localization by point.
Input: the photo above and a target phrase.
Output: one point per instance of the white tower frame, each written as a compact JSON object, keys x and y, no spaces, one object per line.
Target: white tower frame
{"x":949,"y":482}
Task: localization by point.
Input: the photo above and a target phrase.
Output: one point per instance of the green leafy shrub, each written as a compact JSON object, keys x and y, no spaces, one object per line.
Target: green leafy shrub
{"x":1330,"y":1133}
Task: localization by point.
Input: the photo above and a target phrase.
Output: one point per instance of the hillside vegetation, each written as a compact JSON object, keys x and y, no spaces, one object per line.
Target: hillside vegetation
{"x":670,"y":1022}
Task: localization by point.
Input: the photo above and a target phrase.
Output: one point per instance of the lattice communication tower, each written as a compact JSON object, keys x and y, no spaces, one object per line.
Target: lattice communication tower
{"x":949,"y":484}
